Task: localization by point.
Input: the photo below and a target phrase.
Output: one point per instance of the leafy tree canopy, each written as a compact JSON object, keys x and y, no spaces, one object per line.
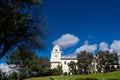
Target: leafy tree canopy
{"x":72,"y":67}
{"x":107,"y":58}
{"x":84,"y":60}
{"x":18,"y":25}
{"x":29,"y":64}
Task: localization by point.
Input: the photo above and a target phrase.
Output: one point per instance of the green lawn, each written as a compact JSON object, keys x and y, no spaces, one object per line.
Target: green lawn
{"x":111,"y":76}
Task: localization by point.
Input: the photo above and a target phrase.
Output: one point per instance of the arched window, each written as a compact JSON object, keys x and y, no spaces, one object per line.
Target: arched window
{"x":56,"y":50}
{"x":55,"y":55}
{"x":64,"y":62}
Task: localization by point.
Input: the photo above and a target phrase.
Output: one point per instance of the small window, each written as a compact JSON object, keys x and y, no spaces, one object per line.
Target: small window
{"x":64,"y":62}
{"x":55,"y":55}
{"x":55,"y":49}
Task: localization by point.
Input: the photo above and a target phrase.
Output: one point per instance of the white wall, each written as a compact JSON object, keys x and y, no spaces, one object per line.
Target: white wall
{"x":55,"y":56}
{"x":56,"y":59}
{"x":54,"y":65}
{"x":65,"y":67}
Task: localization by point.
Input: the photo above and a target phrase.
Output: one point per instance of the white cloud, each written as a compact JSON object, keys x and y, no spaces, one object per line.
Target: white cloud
{"x":66,"y":40}
{"x":103,"y":46}
{"x":86,"y":47}
{"x":115,"y":46}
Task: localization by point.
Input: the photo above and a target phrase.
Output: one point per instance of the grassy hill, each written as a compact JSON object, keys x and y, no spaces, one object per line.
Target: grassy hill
{"x":105,"y":76}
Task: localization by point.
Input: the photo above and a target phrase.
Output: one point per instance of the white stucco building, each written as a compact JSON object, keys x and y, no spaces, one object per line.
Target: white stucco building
{"x":56,"y":59}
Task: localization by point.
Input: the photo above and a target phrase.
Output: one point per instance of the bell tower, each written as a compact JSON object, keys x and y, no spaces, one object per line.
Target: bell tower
{"x":55,"y":54}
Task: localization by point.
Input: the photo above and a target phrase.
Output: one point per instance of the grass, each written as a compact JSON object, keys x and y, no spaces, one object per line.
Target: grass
{"x":105,"y":76}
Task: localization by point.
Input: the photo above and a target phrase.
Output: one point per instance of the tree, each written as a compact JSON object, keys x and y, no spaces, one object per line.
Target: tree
{"x":57,"y":71}
{"x":72,"y":66}
{"x":107,"y":59}
{"x":84,"y":60}
{"x":44,"y":66}
{"x":29,"y":64}
{"x":23,"y":59}
{"x":18,"y":25}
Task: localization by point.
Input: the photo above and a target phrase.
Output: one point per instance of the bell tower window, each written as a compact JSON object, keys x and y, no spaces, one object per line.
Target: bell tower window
{"x":55,"y":55}
{"x":64,"y":62}
{"x":55,"y":49}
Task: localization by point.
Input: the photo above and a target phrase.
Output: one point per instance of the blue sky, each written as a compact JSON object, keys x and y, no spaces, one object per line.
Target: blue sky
{"x":93,"y":22}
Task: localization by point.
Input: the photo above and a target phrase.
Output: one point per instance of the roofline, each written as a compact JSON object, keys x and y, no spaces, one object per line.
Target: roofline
{"x":55,"y":62}
{"x":68,"y":58}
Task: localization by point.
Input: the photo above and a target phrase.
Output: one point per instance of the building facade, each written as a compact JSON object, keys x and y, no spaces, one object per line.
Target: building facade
{"x":57,"y":59}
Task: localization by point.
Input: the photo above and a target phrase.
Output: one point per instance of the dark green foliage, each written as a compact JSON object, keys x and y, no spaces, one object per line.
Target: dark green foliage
{"x":29,"y":64}
{"x":72,"y":67}
{"x":65,"y":73}
{"x":18,"y":25}
{"x":51,"y":78}
{"x":44,"y":66}
{"x":24,"y":59}
{"x":57,"y":71}
{"x":108,"y":60}
{"x":105,"y":57}
{"x":84,"y":60}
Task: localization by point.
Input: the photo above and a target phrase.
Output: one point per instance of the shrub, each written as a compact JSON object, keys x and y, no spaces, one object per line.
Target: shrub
{"x":51,"y":78}
{"x":91,"y":78}
{"x":65,"y":73}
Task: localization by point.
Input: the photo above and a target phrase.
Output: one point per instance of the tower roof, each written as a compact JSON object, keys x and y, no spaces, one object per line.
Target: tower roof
{"x":56,"y":47}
